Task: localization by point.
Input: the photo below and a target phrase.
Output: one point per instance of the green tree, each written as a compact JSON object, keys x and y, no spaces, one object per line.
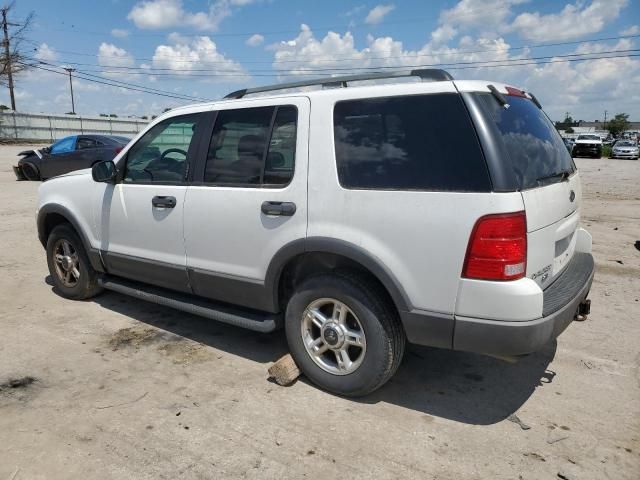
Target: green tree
{"x":569,"y":130}
{"x":618,"y":124}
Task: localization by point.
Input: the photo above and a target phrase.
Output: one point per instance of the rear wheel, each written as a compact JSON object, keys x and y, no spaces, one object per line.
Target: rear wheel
{"x":344,"y":334}
{"x":69,"y":265}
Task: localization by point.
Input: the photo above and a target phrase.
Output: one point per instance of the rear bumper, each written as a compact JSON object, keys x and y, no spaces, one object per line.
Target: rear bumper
{"x":561,"y":302}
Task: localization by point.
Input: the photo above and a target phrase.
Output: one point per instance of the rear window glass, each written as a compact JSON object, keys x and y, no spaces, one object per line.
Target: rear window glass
{"x":423,"y":142}
{"x":533,"y":149}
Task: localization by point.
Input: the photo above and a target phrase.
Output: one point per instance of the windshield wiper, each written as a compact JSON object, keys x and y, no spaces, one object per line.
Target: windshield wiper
{"x":562,"y":176}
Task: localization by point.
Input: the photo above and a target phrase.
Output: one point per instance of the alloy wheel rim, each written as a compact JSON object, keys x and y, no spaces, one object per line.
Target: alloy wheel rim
{"x":333,"y":336}
{"x":67,"y":263}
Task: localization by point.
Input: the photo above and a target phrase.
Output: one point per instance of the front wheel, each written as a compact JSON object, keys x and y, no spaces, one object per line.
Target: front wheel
{"x":344,"y":334}
{"x":69,"y":265}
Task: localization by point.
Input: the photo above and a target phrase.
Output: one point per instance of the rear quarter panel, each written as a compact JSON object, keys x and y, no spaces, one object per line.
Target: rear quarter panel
{"x":420,"y":236}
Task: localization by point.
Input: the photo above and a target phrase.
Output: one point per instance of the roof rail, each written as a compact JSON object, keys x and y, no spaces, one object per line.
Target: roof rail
{"x":430,"y":74}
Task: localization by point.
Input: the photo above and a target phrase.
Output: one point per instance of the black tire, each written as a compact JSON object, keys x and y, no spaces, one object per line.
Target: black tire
{"x":385,"y":337}
{"x":31,"y":172}
{"x":86,"y":286}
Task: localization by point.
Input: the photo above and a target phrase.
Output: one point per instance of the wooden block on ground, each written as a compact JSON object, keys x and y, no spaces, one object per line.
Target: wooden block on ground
{"x":284,"y":371}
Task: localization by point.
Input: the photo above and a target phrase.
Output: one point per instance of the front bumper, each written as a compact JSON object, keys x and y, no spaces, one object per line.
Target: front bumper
{"x":630,"y":155}
{"x":585,"y":150}
{"x":19,"y":173}
{"x":561,"y":302}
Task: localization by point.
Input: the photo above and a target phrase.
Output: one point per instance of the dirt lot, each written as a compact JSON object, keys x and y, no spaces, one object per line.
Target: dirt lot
{"x":126,"y":389}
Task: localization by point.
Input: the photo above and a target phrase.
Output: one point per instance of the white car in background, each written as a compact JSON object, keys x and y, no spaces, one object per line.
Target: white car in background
{"x":588,"y":145}
{"x":625,"y":149}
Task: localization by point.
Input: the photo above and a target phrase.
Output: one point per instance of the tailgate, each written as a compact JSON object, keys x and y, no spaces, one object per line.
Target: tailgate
{"x":553,"y":214}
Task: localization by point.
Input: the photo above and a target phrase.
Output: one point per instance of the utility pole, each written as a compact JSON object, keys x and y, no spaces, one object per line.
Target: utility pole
{"x":605,"y":119}
{"x":8,"y":57}
{"x":73,"y":106}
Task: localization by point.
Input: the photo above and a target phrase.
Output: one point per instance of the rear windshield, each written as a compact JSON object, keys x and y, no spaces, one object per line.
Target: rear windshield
{"x":533,"y":151}
{"x":421,"y":142}
{"x":588,"y":137}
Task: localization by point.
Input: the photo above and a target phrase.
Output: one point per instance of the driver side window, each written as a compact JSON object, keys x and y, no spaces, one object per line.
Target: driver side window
{"x":161,"y":155}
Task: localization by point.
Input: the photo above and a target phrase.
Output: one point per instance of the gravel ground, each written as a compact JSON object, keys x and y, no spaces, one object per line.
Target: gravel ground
{"x":119,"y":388}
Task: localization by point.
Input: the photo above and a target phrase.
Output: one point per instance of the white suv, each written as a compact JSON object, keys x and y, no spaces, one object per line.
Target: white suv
{"x":443,"y":213}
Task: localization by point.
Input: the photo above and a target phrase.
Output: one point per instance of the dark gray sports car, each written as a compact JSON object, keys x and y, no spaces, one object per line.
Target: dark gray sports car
{"x":67,"y":154}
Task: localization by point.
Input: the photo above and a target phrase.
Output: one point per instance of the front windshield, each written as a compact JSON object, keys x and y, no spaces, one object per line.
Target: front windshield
{"x":588,"y":137}
{"x":625,"y":144}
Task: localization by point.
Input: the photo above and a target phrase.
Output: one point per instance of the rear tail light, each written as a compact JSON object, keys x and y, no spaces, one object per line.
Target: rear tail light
{"x":515,"y":92}
{"x":118,"y":150}
{"x":497,"y":248}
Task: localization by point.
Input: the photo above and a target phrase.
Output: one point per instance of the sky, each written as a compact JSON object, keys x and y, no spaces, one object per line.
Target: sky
{"x":136,"y":58}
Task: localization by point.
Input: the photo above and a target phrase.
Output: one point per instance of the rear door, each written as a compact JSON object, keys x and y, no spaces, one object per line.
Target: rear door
{"x":534,"y":160}
{"x":248,"y":198}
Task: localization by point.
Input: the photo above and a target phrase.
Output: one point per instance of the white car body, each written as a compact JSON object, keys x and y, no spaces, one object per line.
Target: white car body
{"x":418,"y":238}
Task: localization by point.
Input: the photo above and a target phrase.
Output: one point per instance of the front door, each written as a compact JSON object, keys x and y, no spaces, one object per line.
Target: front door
{"x":248,"y":198}
{"x":142,"y":215}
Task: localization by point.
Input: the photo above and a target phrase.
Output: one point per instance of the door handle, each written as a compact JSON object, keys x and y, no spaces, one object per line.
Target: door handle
{"x":163,"y":202}
{"x":284,"y":209}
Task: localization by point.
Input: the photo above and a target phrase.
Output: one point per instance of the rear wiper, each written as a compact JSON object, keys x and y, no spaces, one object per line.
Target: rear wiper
{"x":562,"y":176}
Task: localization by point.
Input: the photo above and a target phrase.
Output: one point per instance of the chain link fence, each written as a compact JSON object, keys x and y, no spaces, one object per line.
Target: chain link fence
{"x":35,"y":127}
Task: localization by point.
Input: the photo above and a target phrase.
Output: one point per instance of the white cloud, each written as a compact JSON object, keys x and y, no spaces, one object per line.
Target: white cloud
{"x":111,"y":56}
{"x":158,"y":14}
{"x":632,"y":30}
{"x":573,"y":21}
{"x":199,"y":53}
{"x":120,"y":33}
{"x":46,"y":53}
{"x":255,"y":40}
{"x":354,"y":11}
{"x":377,"y":13}
{"x":584,"y":88}
{"x":484,"y":15}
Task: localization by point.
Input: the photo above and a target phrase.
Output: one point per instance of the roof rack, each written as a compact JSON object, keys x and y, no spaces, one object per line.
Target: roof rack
{"x":430,"y":74}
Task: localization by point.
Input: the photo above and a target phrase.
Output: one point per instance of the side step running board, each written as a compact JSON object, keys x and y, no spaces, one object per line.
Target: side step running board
{"x":251,"y":320}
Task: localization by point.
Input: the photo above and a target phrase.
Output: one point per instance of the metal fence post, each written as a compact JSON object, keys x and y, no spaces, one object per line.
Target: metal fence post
{"x":15,"y":125}
{"x":50,"y":128}
{"x":81,"y":131}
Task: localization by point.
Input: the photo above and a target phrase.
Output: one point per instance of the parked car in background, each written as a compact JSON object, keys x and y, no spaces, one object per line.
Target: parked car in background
{"x":588,"y":145}
{"x":625,"y":149}
{"x":568,"y":142}
{"x":67,"y":154}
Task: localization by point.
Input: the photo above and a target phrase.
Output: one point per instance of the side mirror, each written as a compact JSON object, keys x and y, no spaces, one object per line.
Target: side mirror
{"x":105,"y":172}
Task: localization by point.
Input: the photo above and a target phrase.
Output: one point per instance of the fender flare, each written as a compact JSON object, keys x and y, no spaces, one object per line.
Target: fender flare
{"x":337,"y":247}
{"x":45,"y":210}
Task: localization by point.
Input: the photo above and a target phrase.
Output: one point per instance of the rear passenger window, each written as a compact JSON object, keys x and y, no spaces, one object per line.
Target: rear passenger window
{"x":421,"y":142}
{"x":252,"y":147}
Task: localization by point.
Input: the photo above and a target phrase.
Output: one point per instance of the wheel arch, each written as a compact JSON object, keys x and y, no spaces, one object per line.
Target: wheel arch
{"x":302,"y":258}
{"x":52,"y":215}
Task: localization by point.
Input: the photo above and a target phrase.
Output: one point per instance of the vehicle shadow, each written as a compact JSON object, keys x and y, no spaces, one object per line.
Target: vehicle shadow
{"x":465,"y":387}
{"x":459,"y":386}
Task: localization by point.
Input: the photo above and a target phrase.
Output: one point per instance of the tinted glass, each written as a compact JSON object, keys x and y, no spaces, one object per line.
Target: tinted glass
{"x":237,"y":148}
{"x":533,"y":146}
{"x":161,"y":154}
{"x":63,"y":146}
{"x":281,"y":156}
{"x":84,"y":143}
{"x":424,"y":142}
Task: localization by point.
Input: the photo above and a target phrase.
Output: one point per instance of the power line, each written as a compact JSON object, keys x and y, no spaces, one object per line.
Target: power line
{"x":351,"y":57}
{"x":330,"y":70}
{"x":121,"y":85}
{"x":188,"y":97}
